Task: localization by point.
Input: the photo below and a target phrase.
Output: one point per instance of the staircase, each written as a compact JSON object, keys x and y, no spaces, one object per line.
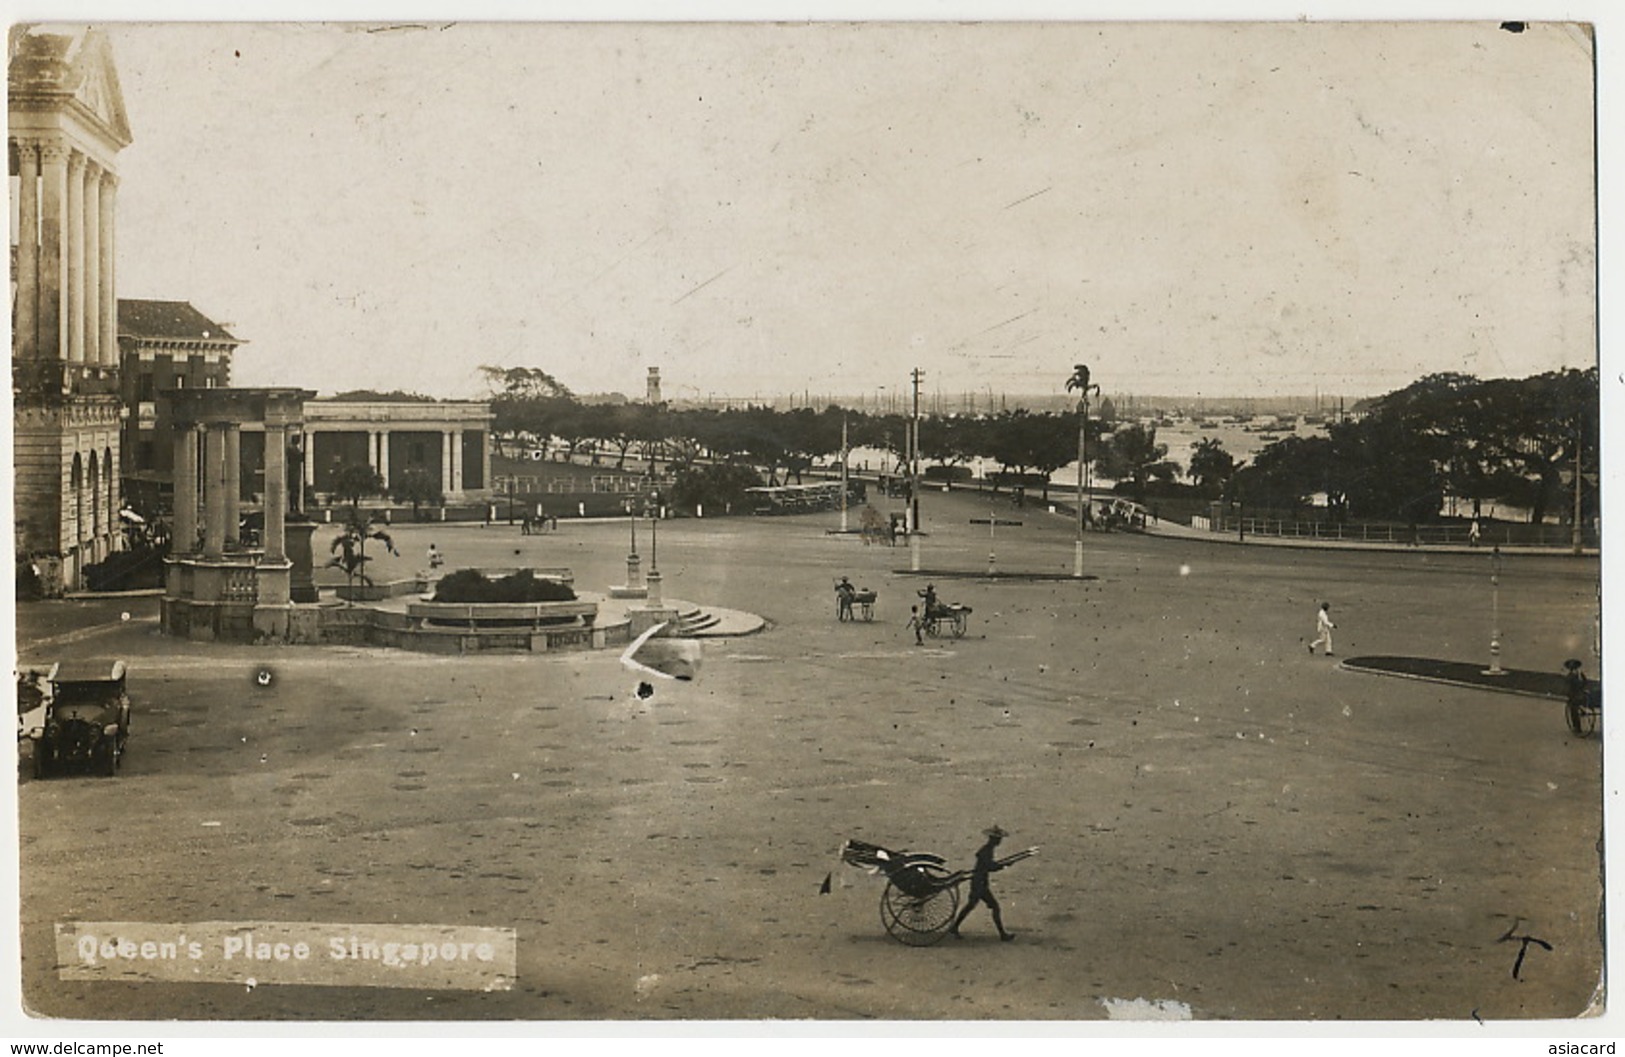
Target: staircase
{"x":694,"y":621}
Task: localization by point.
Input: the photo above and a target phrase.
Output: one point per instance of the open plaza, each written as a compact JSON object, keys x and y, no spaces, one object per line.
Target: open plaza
{"x":436,"y":679}
{"x":1229,"y":827}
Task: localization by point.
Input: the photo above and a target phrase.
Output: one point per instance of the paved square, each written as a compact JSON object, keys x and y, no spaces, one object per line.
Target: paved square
{"x":1226,"y":823}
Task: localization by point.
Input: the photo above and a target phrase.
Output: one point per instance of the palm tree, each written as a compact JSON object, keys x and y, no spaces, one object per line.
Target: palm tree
{"x":1080,"y":382}
{"x":349,"y":549}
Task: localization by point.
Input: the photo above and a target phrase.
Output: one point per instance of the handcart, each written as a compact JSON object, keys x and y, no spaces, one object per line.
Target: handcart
{"x":947,"y":619}
{"x":853,"y":603}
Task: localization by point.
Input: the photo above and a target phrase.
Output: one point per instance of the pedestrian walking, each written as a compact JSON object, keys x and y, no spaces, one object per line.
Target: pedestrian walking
{"x":1323,"y":628}
{"x":1472,"y":533}
{"x":917,"y":624}
{"x":436,"y":559}
{"x":980,"y":890}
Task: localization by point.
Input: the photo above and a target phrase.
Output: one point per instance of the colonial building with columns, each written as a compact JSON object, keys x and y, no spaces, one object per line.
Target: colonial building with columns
{"x":163,"y":345}
{"x":67,"y":126}
{"x":448,"y":439}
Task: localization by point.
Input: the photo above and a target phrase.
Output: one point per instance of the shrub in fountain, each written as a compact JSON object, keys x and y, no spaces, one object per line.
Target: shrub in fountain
{"x":472,"y":586}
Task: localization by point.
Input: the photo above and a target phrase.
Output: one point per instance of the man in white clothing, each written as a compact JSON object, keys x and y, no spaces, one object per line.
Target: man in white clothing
{"x":1323,"y":628}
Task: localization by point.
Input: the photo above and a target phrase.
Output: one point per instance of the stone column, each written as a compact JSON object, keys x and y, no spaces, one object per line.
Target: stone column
{"x":109,"y":307}
{"x":234,"y":483}
{"x":214,"y":490}
{"x":52,"y":310}
{"x":383,"y":460}
{"x":276,"y":491}
{"x":457,"y":460}
{"x":91,"y":306}
{"x":28,"y":250}
{"x":184,"y":540}
{"x":445,"y":462}
{"x":310,"y":467}
{"x":75,"y":236}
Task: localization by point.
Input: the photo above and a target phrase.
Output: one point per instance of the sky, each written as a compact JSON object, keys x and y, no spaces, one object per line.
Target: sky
{"x":757,"y":209}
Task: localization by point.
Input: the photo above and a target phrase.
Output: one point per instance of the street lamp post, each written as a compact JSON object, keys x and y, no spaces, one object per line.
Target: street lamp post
{"x":654,"y":552}
{"x":1080,"y":382}
{"x":992,"y":521}
{"x":1495,"y":611}
{"x":634,"y":564}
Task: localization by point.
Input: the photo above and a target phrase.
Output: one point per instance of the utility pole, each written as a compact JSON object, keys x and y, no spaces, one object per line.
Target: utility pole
{"x":914,"y":477}
{"x":845,"y":454}
{"x":1579,"y":437}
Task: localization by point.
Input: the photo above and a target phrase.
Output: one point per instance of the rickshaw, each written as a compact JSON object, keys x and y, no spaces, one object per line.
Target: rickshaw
{"x":921,"y":896}
{"x":1583,"y":708}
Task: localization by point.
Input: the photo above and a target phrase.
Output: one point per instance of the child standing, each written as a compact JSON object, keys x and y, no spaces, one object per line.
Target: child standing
{"x":917,"y":624}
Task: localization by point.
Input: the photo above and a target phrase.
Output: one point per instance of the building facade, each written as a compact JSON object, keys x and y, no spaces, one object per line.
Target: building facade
{"x":447,"y":439}
{"x":163,"y":345}
{"x":67,"y":127}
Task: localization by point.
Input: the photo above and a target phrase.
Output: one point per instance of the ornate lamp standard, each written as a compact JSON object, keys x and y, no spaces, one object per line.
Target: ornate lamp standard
{"x":654,"y":552}
{"x":634,"y":564}
{"x":1080,"y":382}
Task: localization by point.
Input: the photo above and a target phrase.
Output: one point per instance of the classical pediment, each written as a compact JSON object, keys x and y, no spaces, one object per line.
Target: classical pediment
{"x":48,"y":62}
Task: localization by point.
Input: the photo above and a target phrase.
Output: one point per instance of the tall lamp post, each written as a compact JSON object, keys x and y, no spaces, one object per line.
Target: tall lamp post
{"x":653,"y":579}
{"x":1080,"y":382}
{"x":634,"y":564}
{"x":1495,"y":610}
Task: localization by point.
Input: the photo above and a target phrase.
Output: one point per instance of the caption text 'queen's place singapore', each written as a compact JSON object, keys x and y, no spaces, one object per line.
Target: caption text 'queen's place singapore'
{"x":991,"y":522}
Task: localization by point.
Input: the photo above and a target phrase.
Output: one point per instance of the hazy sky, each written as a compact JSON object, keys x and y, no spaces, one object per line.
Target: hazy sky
{"x":1190,"y":209}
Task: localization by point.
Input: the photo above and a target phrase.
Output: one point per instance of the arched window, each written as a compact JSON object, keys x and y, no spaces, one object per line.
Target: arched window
{"x":95,"y":496}
{"x":77,"y":483}
{"x":111,"y":489}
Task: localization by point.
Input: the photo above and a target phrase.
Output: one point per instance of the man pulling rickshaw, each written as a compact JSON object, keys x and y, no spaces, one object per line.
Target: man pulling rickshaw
{"x":920,"y":903}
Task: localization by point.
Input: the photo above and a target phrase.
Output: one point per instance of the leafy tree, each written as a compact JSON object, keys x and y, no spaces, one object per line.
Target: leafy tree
{"x":1133,"y":454}
{"x":354,"y":482}
{"x":393,"y":396}
{"x":1286,"y":473}
{"x":523,"y":383}
{"x":1542,"y":423}
{"x":418,"y":486}
{"x":1211,"y":466}
{"x":716,"y":486}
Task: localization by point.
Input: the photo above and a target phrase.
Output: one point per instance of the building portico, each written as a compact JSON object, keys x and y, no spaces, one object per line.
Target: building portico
{"x":447,"y":439}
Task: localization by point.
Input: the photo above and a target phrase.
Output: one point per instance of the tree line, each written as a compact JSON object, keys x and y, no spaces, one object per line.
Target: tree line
{"x":1510,"y":440}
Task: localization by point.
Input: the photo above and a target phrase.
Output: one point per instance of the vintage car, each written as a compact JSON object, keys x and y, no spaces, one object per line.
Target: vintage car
{"x":75,"y":716}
